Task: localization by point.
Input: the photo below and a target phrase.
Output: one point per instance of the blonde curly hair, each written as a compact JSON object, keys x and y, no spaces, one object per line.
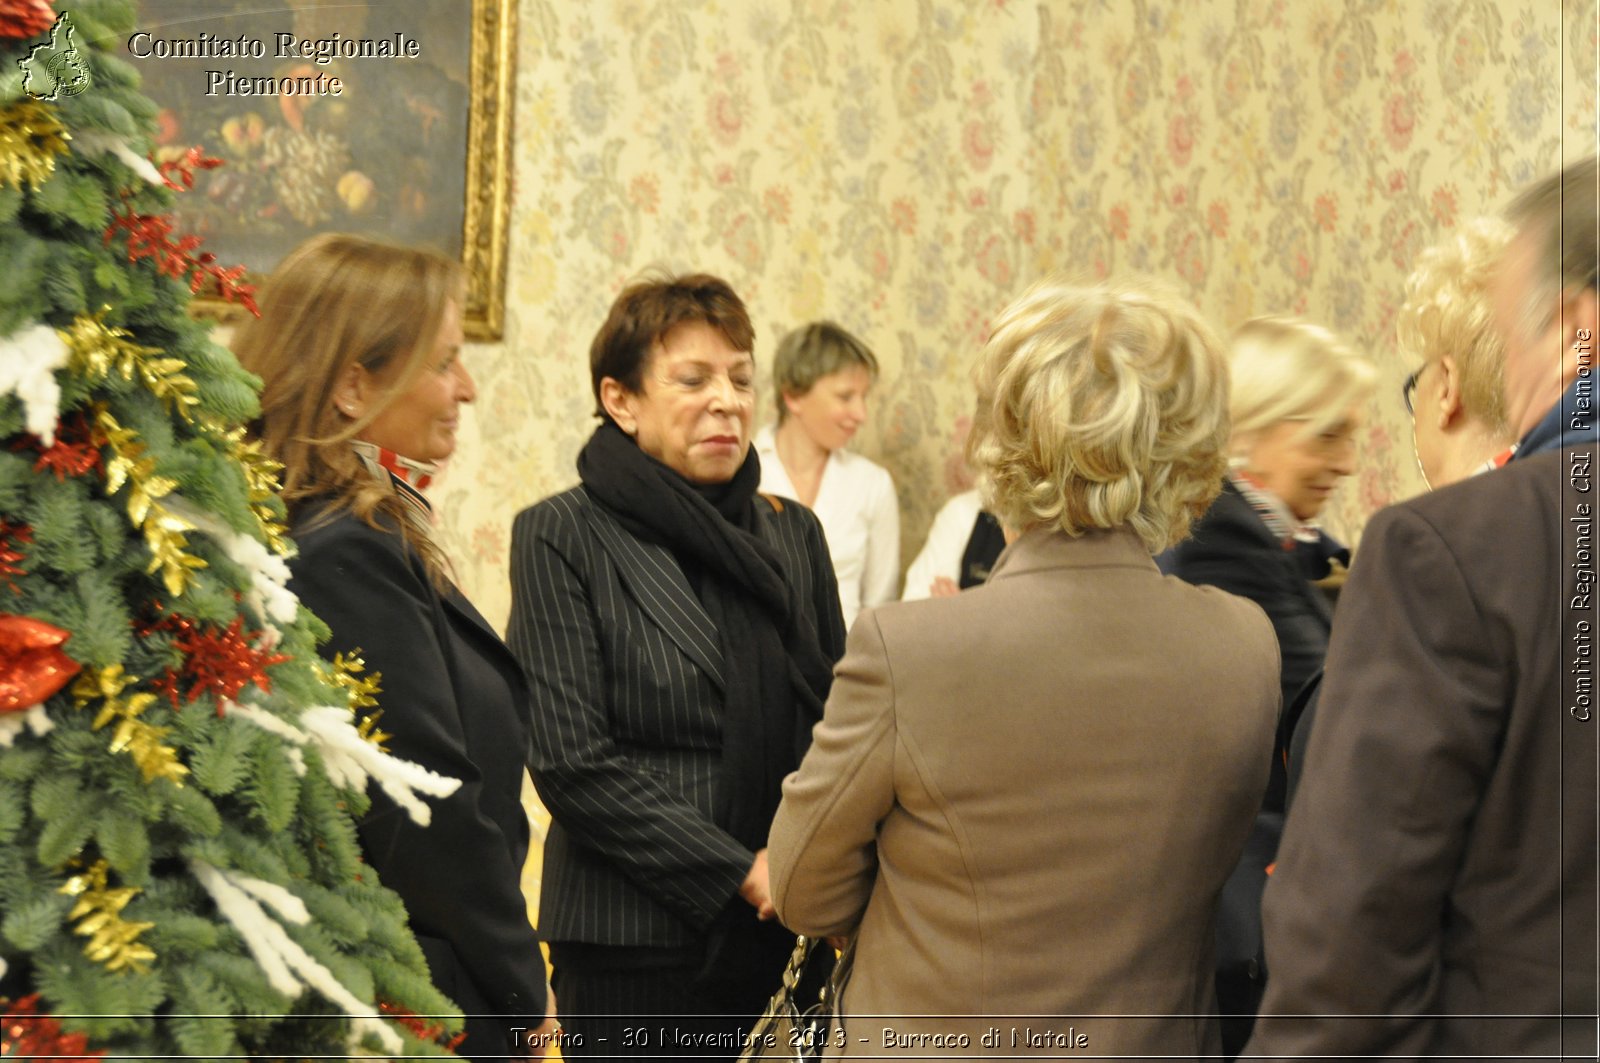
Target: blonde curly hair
{"x":1448,"y":311}
{"x":1101,"y":406}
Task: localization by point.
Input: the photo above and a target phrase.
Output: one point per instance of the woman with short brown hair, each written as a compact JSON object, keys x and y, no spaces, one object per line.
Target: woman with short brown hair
{"x":679,"y":629}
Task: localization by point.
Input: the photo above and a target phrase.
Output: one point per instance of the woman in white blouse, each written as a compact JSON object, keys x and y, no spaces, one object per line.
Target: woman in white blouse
{"x":962,"y":546}
{"x":822,"y":375}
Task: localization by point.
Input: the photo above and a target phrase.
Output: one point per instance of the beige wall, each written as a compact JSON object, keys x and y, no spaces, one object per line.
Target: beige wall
{"x":907,"y":167}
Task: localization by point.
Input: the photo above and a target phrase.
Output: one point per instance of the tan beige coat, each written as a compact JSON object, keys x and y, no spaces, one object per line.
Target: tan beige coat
{"x":1027,"y":798}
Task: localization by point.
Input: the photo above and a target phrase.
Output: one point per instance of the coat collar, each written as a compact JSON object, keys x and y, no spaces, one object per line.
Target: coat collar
{"x":1231,"y":505}
{"x":1041,"y":549}
{"x":657,"y":583}
{"x":1556,"y":430}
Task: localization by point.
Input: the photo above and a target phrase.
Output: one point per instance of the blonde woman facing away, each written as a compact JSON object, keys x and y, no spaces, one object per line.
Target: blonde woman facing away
{"x":823,"y":375}
{"x":1023,"y":799}
{"x":359,"y":348}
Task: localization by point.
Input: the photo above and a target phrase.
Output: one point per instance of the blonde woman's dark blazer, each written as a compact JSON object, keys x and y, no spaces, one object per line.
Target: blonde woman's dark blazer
{"x":1025,"y":799}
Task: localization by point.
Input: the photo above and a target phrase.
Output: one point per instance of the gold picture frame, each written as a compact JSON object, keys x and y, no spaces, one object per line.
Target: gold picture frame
{"x":488,"y":214}
{"x":239,"y":209}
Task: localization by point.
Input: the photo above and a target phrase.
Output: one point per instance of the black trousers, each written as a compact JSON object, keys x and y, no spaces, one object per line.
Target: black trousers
{"x":637,"y":1003}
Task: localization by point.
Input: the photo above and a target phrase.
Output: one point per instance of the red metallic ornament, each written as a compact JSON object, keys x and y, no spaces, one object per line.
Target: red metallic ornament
{"x":150,"y":236}
{"x":220,"y":662}
{"x":25,"y":18}
{"x":26,"y":1033}
{"x":68,"y":459}
{"x":424,"y":1031}
{"x":75,"y":452}
{"x":32,"y":666}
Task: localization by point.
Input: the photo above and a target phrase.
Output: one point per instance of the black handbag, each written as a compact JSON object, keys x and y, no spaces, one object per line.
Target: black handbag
{"x":789,"y":1031}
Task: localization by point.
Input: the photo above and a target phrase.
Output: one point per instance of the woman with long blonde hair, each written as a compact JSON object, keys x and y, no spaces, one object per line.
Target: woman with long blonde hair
{"x":358,"y":347}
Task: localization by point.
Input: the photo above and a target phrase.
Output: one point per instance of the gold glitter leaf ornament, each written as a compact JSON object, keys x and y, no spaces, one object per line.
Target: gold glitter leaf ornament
{"x":113,"y":940}
{"x":140,"y":740}
{"x":98,"y":351}
{"x":30,"y":139}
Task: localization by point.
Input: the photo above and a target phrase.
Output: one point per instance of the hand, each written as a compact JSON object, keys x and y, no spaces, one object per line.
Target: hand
{"x":536,"y":1043}
{"x":757,"y":891}
{"x":943,"y":587}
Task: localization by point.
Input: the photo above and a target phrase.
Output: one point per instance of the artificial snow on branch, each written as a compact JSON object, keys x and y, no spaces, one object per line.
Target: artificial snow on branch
{"x":98,"y":142}
{"x":269,"y":596}
{"x":289,"y":968}
{"x":351,"y":760}
{"x":28,"y":363}
{"x":34,"y":719}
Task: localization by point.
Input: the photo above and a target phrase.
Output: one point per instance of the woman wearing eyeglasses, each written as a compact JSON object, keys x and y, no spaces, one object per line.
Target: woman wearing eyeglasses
{"x":1454,"y":396}
{"x":1296,"y":402}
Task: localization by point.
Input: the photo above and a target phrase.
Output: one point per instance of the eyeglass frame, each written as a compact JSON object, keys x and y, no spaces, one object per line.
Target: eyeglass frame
{"x":1408,"y":389}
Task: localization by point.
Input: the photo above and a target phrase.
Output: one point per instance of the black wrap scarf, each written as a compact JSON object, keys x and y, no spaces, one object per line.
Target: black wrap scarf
{"x":775,"y":673}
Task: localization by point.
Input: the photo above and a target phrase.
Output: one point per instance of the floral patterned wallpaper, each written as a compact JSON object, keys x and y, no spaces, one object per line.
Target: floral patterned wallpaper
{"x":908,"y":167}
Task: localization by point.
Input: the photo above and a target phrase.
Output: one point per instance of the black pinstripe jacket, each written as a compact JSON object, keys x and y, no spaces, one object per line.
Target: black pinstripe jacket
{"x":627,"y":670}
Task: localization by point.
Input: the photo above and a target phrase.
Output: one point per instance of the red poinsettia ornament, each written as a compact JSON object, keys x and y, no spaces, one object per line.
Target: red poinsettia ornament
{"x":75,"y":450}
{"x":25,"y":18}
{"x":32,"y":666}
{"x":12,"y":536}
{"x":219,"y":661}
{"x":432,"y":1032}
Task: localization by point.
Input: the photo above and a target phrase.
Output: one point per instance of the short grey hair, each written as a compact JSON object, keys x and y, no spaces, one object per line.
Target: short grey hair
{"x":1561,"y":215}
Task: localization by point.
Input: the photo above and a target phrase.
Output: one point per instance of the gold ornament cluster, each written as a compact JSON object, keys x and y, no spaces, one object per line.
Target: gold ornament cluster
{"x":165,"y":533}
{"x":30,"y":139}
{"x":360,"y":693}
{"x":260,"y":479}
{"x":98,"y":351}
{"x":113,"y":940}
{"x":140,"y":740}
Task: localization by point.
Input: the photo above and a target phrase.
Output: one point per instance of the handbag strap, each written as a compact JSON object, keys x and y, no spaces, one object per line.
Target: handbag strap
{"x":837,"y":978}
{"x":797,"y":962}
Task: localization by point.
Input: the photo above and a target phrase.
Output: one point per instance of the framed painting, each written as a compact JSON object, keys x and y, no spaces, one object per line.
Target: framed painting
{"x":386,"y":118}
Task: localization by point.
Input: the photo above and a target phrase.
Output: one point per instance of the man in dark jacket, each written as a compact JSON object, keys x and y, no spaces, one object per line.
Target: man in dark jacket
{"x":1435,"y":891}
{"x":1545,"y":304}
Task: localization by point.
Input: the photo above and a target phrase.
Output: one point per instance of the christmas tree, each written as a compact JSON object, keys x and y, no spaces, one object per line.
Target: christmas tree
{"x":179,"y":870}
